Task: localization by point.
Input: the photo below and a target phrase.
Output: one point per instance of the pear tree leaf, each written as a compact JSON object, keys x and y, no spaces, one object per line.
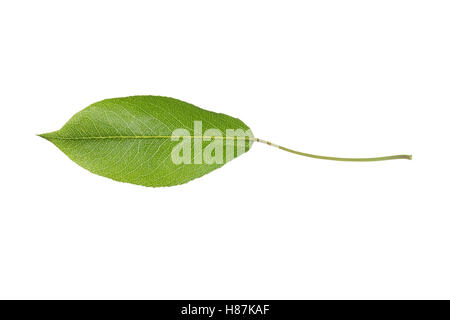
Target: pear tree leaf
{"x":158,"y":141}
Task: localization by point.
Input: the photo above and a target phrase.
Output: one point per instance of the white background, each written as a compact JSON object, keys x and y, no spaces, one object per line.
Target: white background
{"x":342,"y":78}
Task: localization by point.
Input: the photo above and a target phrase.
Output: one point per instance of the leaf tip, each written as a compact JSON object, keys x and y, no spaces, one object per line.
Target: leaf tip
{"x":44,"y":135}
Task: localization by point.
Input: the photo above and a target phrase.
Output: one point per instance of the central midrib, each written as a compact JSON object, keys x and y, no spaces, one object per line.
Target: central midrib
{"x":155,"y":137}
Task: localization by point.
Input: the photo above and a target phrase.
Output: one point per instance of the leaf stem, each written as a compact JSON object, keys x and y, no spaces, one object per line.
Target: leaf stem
{"x":400,"y":156}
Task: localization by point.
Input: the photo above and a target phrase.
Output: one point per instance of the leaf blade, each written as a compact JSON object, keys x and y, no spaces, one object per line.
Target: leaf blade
{"x":128,"y":139}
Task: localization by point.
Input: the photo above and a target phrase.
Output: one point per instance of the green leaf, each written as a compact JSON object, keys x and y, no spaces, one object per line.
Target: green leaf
{"x":132,"y":140}
{"x":159,"y":141}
